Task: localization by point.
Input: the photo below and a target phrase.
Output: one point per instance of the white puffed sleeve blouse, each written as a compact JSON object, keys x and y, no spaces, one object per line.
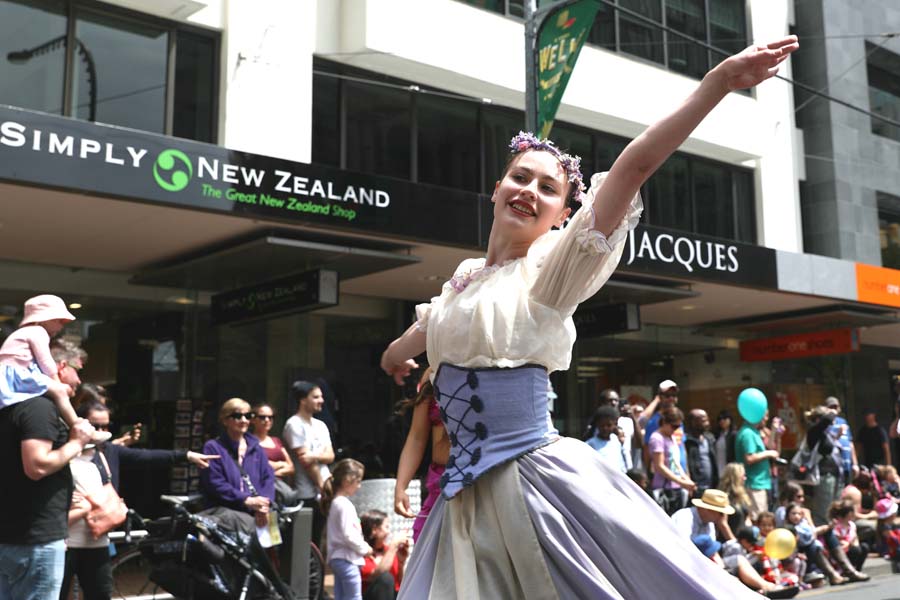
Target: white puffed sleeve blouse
{"x":520,"y":312}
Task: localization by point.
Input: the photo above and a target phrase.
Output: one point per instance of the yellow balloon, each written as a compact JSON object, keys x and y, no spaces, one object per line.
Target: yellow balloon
{"x":780,"y":543}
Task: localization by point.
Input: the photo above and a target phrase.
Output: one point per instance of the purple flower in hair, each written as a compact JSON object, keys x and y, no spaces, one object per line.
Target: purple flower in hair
{"x":526,"y":140}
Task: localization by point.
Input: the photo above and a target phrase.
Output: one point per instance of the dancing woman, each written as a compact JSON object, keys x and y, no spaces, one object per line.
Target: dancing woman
{"x":525,"y":513}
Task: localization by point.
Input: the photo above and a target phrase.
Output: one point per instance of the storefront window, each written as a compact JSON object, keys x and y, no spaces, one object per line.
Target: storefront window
{"x":446,"y":153}
{"x":32,"y":58}
{"x":499,"y":127}
{"x":194,"y":113}
{"x":121,"y":77}
{"x":378,"y":129}
{"x":745,"y":203}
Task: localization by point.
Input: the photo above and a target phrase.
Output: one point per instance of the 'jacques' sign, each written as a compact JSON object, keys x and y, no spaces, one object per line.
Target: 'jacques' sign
{"x":677,"y":253}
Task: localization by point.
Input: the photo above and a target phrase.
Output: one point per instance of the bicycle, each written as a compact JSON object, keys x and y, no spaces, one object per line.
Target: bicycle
{"x":181,"y":552}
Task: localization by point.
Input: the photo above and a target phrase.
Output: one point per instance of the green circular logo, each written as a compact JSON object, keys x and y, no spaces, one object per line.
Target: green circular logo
{"x":169,"y":174}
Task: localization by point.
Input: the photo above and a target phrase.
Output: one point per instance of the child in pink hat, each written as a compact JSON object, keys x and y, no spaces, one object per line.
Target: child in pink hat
{"x":27,"y":368}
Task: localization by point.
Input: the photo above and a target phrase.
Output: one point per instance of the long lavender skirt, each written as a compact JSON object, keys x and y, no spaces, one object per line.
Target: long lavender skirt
{"x":558,"y":523}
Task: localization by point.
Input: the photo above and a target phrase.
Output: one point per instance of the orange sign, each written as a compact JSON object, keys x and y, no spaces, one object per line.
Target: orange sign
{"x":820,"y":343}
{"x":877,"y":285}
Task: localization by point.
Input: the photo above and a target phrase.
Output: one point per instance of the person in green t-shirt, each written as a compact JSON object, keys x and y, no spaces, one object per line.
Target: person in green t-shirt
{"x":750,"y":450}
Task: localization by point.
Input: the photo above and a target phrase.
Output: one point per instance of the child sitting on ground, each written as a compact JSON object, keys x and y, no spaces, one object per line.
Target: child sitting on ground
{"x":890,"y":482}
{"x":889,"y":530}
{"x":27,"y":368}
{"x":772,"y":569}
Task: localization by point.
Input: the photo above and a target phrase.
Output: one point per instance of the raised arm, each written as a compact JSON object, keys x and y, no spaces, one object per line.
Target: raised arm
{"x":644,"y":155}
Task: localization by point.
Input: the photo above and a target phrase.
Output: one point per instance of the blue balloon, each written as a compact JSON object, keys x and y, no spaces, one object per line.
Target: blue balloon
{"x":752,"y":405}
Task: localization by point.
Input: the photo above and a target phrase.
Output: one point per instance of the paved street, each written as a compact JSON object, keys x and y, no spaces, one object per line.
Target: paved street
{"x":883,"y":587}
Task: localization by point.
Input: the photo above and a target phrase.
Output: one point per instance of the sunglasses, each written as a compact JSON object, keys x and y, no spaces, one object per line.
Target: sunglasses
{"x":265,"y":417}
{"x":100,"y":427}
{"x":239,"y":415}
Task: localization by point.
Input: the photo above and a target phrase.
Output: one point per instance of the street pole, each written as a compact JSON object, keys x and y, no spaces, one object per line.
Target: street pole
{"x":531,"y":32}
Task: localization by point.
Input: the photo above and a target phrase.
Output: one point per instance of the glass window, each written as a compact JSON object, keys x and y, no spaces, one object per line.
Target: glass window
{"x":378,"y":129}
{"x":448,"y":148}
{"x":193,"y":115}
{"x":637,"y":37}
{"x":326,"y":131}
{"x":727,"y":27}
{"x":713,"y":200}
{"x":745,"y":202}
{"x":884,"y":90}
{"x":499,"y":127}
{"x":497,"y":6}
{"x":687,"y":16}
{"x":32,"y":55}
{"x":608,"y":150}
{"x":120,"y":72}
{"x":574,"y":141}
{"x":603,"y":31}
{"x":889,"y":229}
{"x":669,"y":195}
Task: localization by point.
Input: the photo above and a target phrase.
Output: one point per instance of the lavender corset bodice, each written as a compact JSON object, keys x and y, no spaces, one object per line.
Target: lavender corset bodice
{"x":491,"y":416}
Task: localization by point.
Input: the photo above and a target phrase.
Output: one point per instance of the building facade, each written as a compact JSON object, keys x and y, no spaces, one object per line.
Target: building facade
{"x":235,"y":195}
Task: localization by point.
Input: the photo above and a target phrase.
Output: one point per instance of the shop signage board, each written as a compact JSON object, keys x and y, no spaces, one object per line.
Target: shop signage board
{"x":658,"y":251}
{"x":877,"y":285}
{"x":607,"y":319}
{"x":296,"y":293}
{"x":53,"y":151}
{"x":820,"y":343}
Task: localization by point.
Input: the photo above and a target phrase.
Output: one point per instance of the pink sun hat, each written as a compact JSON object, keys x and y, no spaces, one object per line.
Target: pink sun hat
{"x":886,"y":508}
{"x":45,"y":307}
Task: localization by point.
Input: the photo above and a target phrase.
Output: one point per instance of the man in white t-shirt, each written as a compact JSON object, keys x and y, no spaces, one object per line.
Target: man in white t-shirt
{"x":308,"y":441}
{"x":309,"y":444}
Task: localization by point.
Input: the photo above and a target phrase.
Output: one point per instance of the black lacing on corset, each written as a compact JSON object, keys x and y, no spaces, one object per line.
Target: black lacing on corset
{"x":464,"y":436}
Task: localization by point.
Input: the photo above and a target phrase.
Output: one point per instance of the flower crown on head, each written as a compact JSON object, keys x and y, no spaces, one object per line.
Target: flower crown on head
{"x":526,"y":140}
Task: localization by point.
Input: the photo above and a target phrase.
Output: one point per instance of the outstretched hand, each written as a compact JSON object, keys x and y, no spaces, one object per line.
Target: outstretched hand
{"x":398,"y":370}
{"x":755,"y":64}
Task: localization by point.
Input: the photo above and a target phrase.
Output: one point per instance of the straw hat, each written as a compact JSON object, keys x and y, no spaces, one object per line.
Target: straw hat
{"x":716,"y":500}
{"x":45,"y":308}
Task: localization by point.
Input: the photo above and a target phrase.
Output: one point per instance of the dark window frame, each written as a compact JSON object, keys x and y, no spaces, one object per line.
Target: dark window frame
{"x":590,"y":164}
{"x":73,"y":8}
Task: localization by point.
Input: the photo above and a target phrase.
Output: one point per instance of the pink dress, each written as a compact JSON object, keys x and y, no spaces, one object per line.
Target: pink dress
{"x":432,"y":478}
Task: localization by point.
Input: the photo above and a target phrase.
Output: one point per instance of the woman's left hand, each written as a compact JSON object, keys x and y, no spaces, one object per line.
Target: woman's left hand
{"x":755,"y":64}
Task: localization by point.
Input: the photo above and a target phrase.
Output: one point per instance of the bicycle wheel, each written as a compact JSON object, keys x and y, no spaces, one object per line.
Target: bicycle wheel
{"x":131,"y":578}
{"x":316,"y":573}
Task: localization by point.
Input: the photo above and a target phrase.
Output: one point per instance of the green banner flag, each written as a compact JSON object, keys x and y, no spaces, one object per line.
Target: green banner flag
{"x":559,"y":43}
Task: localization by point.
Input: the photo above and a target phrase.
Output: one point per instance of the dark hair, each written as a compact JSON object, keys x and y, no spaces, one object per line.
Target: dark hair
{"x":864,"y":480}
{"x":605,"y":412}
{"x":89,"y":392}
{"x":789,"y":508}
{"x":840,"y":509}
{"x":745,"y":534}
{"x":302,"y":389}
{"x":572,"y":193}
{"x":636,"y":475}
{"x":765,"y":515}
{"x":426,"y":392}
{"x":605,"y":397}
{"x":789,"y":491}
{"x":344,"y":470}
{"x":86,"y":408}
{"x":671,"y":416}
{"x":370,"y":521}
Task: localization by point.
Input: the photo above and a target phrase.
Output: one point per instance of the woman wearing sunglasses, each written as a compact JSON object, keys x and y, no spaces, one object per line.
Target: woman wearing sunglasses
{"x":276,"y":453}
{"x":240,"y":487}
